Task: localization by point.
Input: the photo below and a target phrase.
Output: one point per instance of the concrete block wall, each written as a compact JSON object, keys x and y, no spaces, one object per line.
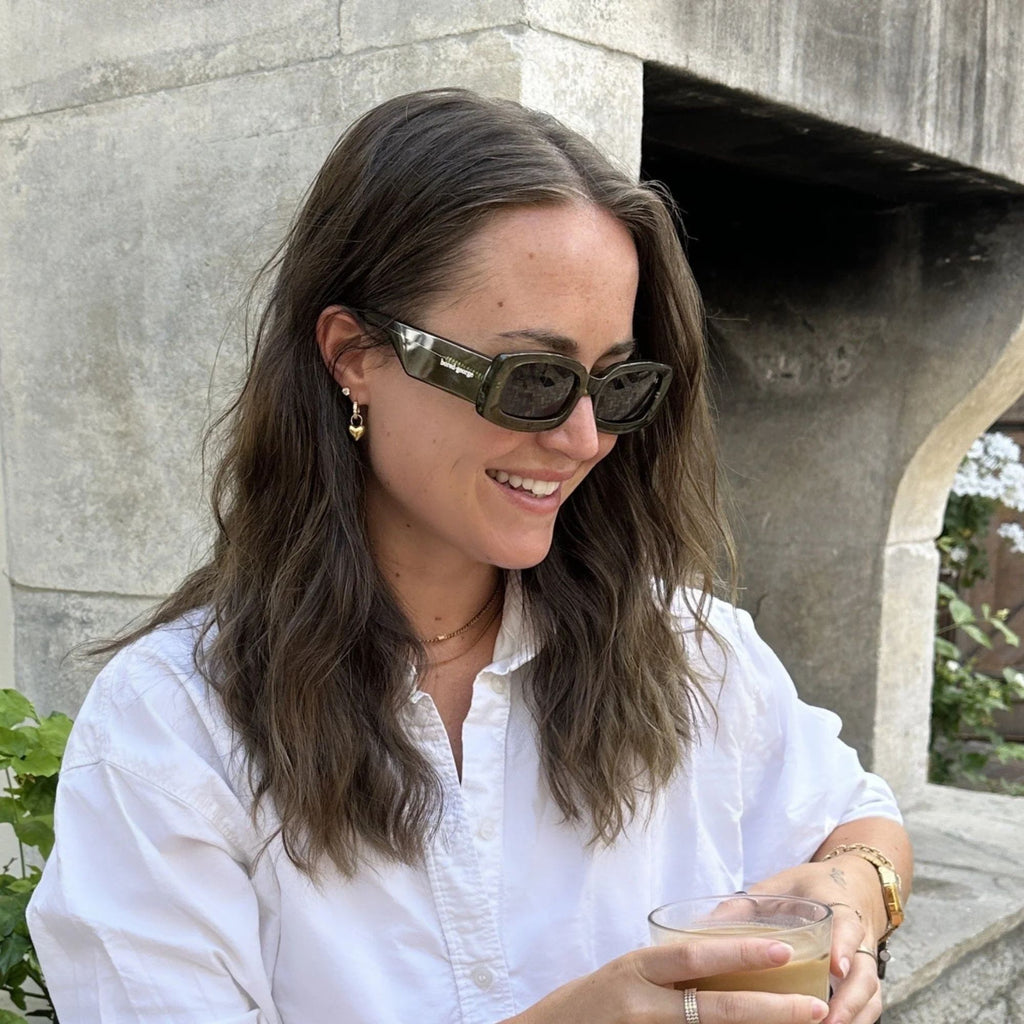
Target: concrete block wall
{"x":149,"y":158}
{"x":141,"y":190}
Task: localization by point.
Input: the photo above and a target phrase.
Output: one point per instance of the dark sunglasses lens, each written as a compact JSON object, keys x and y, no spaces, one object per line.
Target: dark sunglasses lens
{"x":537,"y":391}
{"x":627,"y":396}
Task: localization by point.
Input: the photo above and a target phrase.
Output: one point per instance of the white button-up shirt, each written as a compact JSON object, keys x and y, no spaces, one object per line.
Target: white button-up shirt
{"x":156,"y":905}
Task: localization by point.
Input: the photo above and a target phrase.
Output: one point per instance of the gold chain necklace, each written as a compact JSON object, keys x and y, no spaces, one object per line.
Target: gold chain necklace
{"x":483,"y":632}
{"x":472,"y":622}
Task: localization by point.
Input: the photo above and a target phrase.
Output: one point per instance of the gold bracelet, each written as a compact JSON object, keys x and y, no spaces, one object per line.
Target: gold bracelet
{"x":877,"y":857}
{"x":849,"y":906}
{"x":887,"y":876}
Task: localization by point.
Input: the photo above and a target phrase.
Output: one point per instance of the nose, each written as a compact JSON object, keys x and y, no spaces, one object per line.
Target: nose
{"x":577,"y":437}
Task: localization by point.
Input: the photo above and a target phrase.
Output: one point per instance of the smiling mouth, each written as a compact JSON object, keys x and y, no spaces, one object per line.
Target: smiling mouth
{"x":538,"y":488}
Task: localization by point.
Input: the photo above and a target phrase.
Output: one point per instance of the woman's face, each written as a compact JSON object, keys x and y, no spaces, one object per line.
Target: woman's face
{"x":441,"y":488}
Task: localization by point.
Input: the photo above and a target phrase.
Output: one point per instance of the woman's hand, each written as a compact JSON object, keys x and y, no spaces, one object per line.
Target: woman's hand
{"x":850,"y":886}
{"x":637,"y":988}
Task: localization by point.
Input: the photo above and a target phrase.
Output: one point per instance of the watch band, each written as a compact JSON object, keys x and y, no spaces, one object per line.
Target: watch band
{"x":887,"y":876}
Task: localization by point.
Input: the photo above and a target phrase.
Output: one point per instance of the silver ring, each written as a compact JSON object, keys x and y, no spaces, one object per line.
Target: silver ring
{"x":690,"y":1014}
{"x":870,"y":953}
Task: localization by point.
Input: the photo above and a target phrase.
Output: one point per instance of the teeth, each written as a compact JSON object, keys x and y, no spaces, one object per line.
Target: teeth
{"x":539,"y":488}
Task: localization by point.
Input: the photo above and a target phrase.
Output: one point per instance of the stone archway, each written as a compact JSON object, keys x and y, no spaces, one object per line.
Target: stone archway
{"x":910,"y":567}
{"x":859,"y":300}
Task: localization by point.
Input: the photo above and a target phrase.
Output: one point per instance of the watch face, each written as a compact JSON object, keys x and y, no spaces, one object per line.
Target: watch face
{"x":893,"y":907}
{"x":891,"y":895}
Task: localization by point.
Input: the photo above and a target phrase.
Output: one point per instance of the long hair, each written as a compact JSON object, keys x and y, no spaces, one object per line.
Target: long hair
{"x":311,"y":652}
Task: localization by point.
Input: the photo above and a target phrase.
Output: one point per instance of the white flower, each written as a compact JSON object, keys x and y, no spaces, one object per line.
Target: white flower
{"x":958,"y":554}
{"x":1013,"y":487}
{"x":1014,"y":533}
{"x":1001,"y":448}
{"x":952,"y":666}
{"x":992,"y":469}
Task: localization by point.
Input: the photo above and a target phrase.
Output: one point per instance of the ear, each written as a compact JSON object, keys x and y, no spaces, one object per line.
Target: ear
{"x":338,"y":333}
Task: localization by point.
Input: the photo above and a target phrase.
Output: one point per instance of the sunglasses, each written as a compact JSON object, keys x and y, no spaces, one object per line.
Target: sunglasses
{"x":529,"y":390}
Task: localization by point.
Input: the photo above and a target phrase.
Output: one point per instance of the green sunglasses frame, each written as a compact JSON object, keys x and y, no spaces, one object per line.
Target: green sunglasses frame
{"x":480,"y":379}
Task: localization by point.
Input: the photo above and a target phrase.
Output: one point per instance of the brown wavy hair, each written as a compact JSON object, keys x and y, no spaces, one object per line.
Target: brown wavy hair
{"x":311,"y":651}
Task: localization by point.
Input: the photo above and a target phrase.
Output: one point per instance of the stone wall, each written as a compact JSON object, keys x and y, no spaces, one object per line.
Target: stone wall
{"x":957,"y":959}
{"x":851,"y":174}
{"x":149,"y":158}
{"x":985,"y":987}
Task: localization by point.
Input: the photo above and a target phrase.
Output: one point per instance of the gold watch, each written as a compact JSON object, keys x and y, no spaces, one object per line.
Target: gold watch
{"x":887,"y":876}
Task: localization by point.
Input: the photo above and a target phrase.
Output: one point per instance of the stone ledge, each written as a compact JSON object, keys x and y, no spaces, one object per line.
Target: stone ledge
{"x":960,"y":956}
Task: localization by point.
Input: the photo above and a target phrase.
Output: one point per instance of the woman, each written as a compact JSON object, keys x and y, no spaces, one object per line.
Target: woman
{"x":438,"y":723}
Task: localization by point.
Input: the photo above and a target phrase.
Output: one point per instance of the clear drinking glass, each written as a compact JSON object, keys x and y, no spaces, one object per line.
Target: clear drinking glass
{"x":806,"y":925}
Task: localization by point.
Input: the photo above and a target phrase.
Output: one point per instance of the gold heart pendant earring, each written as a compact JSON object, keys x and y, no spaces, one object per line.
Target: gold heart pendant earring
{"x":356,"y":427}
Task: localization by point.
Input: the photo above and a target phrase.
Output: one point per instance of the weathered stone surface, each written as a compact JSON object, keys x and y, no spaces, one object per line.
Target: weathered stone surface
{"x":6,"y":603}
{"x":958,"y":958}
{"x":80,"y":54}
{"x":592,"y":90}
{"x":52,"y":626}
{"x":902,"y":711}
{"x":803,"y":598}
{"x":132,"y":229}
{"x":367,"y":24}
{"x":939,"y":74}
{"x":845,"y":335}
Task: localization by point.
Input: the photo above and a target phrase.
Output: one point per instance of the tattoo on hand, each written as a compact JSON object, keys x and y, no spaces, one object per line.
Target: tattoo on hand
{"x":838,"y":877}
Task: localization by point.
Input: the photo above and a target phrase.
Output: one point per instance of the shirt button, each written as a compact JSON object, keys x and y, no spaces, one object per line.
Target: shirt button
{"x":482,"y":977}
{"x":486,"y":830}
{"x":499,"y":686}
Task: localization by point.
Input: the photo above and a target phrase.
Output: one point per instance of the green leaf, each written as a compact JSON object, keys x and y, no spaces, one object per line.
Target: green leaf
{"x":38,"y":793}
{"x":946,"y":650}
{"x":13,"y":742}
{"x":946,"y":591}
{"x":53,"y":733}
{"x":36,"y":762}
{"x":12,"y":912}
{"x":961,"y":611}
{"x":12,"y":949}
{"x":1008,"y":634}
{"x":976,"y":635}
{"x":37,"y":833}
{"x":10,"y":1017}
{"x":15,"y":708}
{"x":28,"y":883}
{"x":9,"y":809}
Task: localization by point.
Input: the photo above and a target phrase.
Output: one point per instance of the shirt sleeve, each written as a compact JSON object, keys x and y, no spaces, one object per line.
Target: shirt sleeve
{"x":143,"y":914}
{"x":147,"y":910}
{"x":799,"y":780}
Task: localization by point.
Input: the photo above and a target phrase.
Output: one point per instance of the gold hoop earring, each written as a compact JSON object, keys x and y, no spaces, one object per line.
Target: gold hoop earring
{"x":356,"y":427}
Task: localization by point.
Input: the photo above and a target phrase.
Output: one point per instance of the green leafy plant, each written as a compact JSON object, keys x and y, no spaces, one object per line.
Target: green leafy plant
{"x":964,"y":738}
{"x":965,"y":699}
{"x":31,"y":749}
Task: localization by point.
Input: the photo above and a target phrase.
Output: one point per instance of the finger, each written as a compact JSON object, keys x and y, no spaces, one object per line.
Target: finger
{"x":857,"y":999}
{"x":759,"y":1008}
{"x":683,"y":961}
{"x":847,"y":936}
{"x":871,"y":1011}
